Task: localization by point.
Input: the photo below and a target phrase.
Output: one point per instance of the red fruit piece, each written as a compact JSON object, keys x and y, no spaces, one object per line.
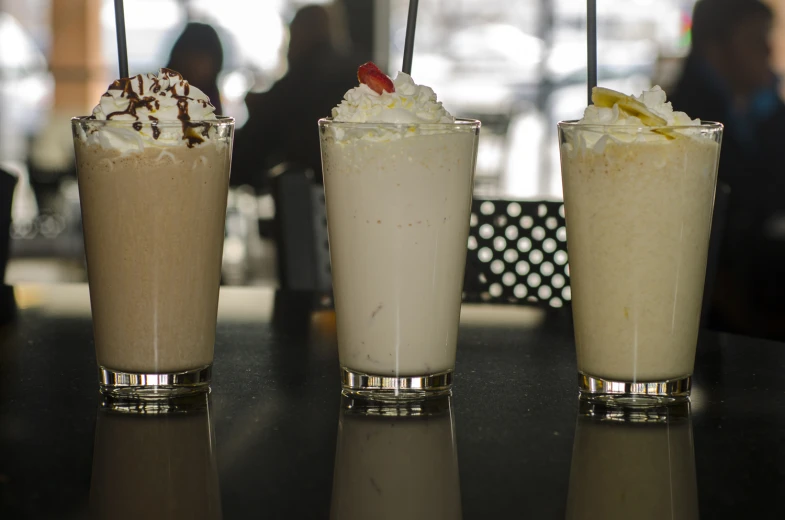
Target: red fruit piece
{"x":370,"y":74}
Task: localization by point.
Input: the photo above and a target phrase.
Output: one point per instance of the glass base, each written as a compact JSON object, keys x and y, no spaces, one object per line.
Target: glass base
{"x":659,"y":413}
{"x":154,"y":387}
{"x":387,"y":388}
{"x":180,"y":404}
{"x":433,"y":406}
{"x":629,"y":394}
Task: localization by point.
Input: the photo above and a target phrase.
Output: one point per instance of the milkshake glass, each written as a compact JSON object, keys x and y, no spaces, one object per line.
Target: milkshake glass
{"x":153,"y":195}
{"x":638,"y":206}
{"x":398,"y":202}
{"x":402,"y":463}
{"x":637,"y":465}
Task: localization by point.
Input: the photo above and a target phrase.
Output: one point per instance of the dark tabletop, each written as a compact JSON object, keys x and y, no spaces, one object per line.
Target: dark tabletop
{"x":273,"y":419}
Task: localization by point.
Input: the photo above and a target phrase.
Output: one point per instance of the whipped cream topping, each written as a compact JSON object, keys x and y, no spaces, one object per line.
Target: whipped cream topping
{"x":410,"y":103}
{"x":151,"y":102}
{"x":621,"y":127}
{"x":654,"y":99}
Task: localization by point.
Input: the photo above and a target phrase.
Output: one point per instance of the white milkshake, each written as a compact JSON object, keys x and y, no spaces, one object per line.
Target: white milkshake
{"x":398,"y":172}
{"x":638,"y":203}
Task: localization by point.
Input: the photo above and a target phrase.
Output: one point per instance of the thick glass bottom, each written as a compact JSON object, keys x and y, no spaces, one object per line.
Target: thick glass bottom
{"x":387,"y":388}
{"x":153,"y":387}
{"x":434,"y":406}
{"x":659,"y":413}
{"x":633,"y":394}
{"x":180,"y":404}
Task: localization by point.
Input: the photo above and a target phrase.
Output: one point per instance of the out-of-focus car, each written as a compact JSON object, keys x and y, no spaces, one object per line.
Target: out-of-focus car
{"x":26,"y":89}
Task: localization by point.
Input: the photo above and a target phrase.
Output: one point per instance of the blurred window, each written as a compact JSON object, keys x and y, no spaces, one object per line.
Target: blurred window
{"x":520,"y":67}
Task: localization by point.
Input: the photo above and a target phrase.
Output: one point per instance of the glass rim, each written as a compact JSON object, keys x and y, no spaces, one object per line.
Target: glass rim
{"x":459,"y":122}
{"x":576,"y":124}
{"x":218,"y":121}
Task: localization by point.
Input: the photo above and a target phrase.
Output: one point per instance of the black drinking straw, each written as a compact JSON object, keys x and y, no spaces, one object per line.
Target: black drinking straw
{"x":122,"y":49}
{"x":408,"y":47}
{"x":591,"y":44}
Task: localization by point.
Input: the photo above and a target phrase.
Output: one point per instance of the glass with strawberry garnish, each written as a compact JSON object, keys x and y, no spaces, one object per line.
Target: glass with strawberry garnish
{"x":398,"y":176}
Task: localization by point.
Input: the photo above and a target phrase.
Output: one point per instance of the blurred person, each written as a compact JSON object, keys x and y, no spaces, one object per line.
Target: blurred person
{"x":281,"y":125}
{"x":728,"y":77}
{"x":198,"y":55}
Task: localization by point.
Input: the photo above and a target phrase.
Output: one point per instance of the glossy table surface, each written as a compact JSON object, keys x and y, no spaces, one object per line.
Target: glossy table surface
{"x":270,"y":446}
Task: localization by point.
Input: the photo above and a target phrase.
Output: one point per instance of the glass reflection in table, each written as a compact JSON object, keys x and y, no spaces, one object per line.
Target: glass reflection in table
{"x":153,"y":466}
{"x":396,"y":461}
{"x":633,"y":463}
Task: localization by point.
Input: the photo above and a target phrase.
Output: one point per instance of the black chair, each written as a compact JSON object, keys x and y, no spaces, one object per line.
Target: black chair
{"x":299,"y":228}
{"x":7,"y":184}
{"x":517,"y":253}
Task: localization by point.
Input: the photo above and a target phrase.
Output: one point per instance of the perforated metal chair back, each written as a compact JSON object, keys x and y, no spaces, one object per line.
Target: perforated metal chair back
{"x":517,"y":253}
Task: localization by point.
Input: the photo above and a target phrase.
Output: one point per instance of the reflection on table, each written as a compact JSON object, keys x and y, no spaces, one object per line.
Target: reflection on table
{"x":394,"y":463}
{"x":633,"y":464}
{"x":155,"y":465}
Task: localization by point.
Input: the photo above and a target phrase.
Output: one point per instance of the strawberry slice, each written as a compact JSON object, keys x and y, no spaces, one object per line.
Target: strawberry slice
{"x":372,"y":76}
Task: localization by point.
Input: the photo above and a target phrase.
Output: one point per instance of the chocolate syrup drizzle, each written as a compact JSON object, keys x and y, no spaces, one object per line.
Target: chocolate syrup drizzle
{"x":193,"y":133}
{"x":154,"y":125}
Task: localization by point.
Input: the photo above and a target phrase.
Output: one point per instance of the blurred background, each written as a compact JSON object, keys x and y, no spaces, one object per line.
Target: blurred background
{"x":518,"y":66}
